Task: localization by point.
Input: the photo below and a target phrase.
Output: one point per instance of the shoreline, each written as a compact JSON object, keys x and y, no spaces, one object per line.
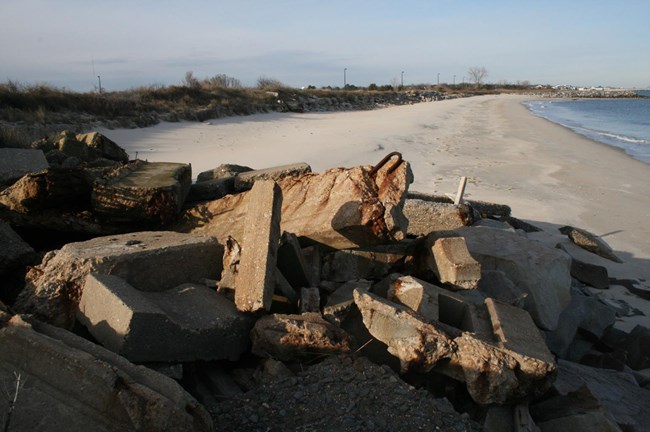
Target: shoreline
{"x":547,"y":173}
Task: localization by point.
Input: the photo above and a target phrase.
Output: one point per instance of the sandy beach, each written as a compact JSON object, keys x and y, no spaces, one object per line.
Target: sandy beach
{"x":549,"y":175}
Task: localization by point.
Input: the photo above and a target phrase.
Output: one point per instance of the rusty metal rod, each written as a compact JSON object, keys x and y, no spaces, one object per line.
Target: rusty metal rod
{"x":384,"y":161}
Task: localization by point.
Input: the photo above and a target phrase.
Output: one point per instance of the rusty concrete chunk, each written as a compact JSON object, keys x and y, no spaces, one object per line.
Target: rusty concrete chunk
{"x":257,"y":267}
{"x":287,"y":337}
{"x":493,"y":374}
{"x":244,"y":180}
{"x":150,"y":261}
{"x":392,"y":183}
{"x":221,"y":172}
{"x":15,"y":163}
{"x":516,"y":331}
{"x":185,"y":323}
{"x":454,"y":265}
{"x":339,"y":208}
{"x":143,"y":192}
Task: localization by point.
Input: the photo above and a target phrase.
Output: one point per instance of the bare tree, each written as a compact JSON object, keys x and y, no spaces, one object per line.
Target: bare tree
{"x":477,"y":74}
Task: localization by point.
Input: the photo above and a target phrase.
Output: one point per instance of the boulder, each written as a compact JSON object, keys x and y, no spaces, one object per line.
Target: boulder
{"x":101,"y":147}
{"x":624,"y":402}
{"x":15,"y":163}
{"x":543,"y":273}
{"x":181,"y":324}
{"x":72,"y":384}
{"x":592,"y":274}
{"x":150,"y":261}
{"x":150,"y":193}
{"x":637,"y":345}
{"x":287,"y":337}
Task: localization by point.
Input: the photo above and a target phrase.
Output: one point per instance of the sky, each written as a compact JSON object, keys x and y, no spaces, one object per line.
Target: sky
{"x":68,"y":43}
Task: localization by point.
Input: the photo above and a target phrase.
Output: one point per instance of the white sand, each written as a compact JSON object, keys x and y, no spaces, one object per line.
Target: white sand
{"x":549,"y":175}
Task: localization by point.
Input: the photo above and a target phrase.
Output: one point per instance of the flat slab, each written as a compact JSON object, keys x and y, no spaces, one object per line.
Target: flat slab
{"x":15,"y":163}
{"x":143,"y":192}
{"x":186,"y":323}
{"x":244,"y":180}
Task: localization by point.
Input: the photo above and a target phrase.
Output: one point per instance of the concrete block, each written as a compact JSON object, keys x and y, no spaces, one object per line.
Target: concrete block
{"x":15,"y":163}
{"x":244,"y":180}
{"x":15,"y":251}
{"x":221,"y":172}
{"x":211,"y":189}
{"x":313,"y":261}
{"x":454,"y":265}
{"x":149,"y":261}
{"x":257,"y":267}
{"x":186,"y":323}
{"x":367,"y":263}
{"x":425,"y":216}
{"x":592,"y":274}
{"x":516,"y":331}
{"x":340,"y":302}
{"x":143,"y":192}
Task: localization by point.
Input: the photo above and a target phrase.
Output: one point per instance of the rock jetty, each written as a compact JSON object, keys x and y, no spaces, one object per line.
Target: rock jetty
{"x":283,"y":299}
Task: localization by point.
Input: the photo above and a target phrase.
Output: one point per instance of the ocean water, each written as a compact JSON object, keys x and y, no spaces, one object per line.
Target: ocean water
{"x":623,"y":123}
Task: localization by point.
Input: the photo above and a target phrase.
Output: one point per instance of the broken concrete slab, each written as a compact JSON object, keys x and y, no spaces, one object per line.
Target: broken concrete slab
{"x":340,"y":302}
{"x":15,"y":252}
{"x":339,"y":209}
{"x":181,"y":324}
{"x":366,"y":263}
{"x":436,"y":304}
{"x":426,"y":216}
{"x":150,"y":261}
{"x":291,"y":262}
{"x":287,"y":337}
{"x":637,"y":345}
{"x":483,"y":209}
{"x":223,"y":171}
{"x":543,"y":273}
{"x":209,"y":190}
{"x":15,"y":163}
{"x":244,"y":180}
{"x":143,"y":192}
{"x":492,"y":374}
{"x":75,"y":385}
{"x":590,"y":242}
{"x":454,"y":265}
{"x":257,"y":266}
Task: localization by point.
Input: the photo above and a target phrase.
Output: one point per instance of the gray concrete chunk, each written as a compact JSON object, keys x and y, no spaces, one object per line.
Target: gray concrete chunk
{"x":257,"y":267}
{"x":149,"y":261}
{"x":186,"y":323}
{"x":454,"y":265}
{"x":244,"y":180}
{"x":15,"y":163}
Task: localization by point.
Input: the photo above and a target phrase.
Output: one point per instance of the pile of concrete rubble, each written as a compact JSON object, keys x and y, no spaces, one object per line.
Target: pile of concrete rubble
{"x":180,"y":300}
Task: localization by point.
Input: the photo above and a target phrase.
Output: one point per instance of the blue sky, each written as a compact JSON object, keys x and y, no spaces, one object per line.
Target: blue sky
{"x":67,"y":43}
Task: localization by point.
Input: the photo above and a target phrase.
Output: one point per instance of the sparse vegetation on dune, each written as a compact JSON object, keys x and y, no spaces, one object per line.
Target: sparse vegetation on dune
{"x":28,"y":112}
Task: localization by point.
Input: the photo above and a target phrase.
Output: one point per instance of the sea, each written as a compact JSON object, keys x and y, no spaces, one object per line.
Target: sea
{"x":622,"y":123}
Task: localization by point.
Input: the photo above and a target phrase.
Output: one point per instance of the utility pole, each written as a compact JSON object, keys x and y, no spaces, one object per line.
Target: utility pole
{"x":454,"y":80}
{"x":438,"y":78}
{"x":100,"y":83}
{"x":345,"y":82}
{"x":402,"y":79}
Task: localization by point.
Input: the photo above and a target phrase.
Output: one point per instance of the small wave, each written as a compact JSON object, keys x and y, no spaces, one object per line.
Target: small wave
{"x":624,"y":138}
